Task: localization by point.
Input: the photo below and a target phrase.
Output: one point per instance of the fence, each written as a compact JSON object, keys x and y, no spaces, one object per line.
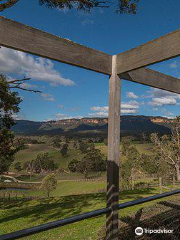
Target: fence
{"x":77,"y":218}
{"x":130,"y":65}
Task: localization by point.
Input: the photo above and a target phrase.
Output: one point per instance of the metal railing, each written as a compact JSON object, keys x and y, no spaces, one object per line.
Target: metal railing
{"x":77,"y":218}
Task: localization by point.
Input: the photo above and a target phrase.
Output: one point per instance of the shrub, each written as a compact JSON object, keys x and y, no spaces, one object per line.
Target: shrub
{"x":49,"y":183}
{"x":73,"y":165}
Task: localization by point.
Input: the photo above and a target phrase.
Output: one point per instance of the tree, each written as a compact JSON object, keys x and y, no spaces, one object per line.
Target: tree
{"x":29,"y":167}
{"x":124,"y":6}
{"x":64,"y":150}
{"x":56,"y":142}
{"x":9,"y":102}
{"x":83,"y":147}
{"x":96,"y":158}
{"x":49,"y":183}
{"x":9,"y":106}
{"x":85,"y":166}
{"x":131,"y":165}
{"x":149,"y":164}
{"x":126,"y":143}
{"x":17,"y":166}
{"x":44,"y":162}
{"x":75,"y":144}
{"x":167,"y":148}
{"x":72,"y":166}
{"x":143,"y":137}
{"x":154,"y":164}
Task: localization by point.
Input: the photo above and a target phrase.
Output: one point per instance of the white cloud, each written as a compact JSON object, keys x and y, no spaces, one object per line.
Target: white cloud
{"x":19,"y":116}
{"x":47,"y":97}
{"x":22,"y":64}
{"x":161,"y":98}
{"x":159,"y":102}
{"x":130,"y":107}
{"x":61,"y":116}
{"x":98,"y":114}
{"x":103,"y":109}
{"x":131,"y":95}
{"x":129,"y":111}
{"x":167,"y":113}
{"x":99,"y":111}
{"x":169,"y":117}
{"x":158,"y":93}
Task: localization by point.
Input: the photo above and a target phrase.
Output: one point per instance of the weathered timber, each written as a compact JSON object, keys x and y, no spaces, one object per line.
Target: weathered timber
{"x":157,"y":50}
{"x":18,"y":36}
{"x":113,"y":154}
{"x":153,"y":79}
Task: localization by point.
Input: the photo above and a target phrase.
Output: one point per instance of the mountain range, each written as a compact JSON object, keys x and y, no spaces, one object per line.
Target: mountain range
{"x":129,"y":124}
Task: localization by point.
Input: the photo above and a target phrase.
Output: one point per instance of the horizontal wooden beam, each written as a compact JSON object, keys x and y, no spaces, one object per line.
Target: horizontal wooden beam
{"x":160,"y":49}
{"x":153,"y":79}
{"x":30,"y":40}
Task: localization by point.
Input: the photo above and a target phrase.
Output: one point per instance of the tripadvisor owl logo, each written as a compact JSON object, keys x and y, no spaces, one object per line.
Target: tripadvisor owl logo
{"x":139,"y":231}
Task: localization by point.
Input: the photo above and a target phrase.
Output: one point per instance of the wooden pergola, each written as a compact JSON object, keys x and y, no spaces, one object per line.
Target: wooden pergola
{"x":130,"y":65}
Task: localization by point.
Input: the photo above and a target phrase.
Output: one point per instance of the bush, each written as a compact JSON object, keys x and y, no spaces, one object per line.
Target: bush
{"x":49,"y":183}
{"x":141,"y":185}
{"x":73,"y":165}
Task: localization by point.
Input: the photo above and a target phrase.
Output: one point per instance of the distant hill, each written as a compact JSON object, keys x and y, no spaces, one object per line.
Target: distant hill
{"x":129,"y":124}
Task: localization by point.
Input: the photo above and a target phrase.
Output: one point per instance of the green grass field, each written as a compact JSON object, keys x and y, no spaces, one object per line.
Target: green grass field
{"x":142,"y":147}
{"x":68,"y":187}
{"x":27,"y":213}
{"x":33,"y":150}
{"x":70,"y":198}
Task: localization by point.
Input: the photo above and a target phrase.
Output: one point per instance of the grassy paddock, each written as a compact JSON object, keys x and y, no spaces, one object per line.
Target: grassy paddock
{"x":32,"y":150}
{"x":71,"y":197}
{"x":16,"y":215}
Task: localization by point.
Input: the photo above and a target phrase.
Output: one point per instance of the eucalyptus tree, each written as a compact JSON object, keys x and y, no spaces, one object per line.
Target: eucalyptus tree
{"x":167,"y":148}
{"x":9,"y":108}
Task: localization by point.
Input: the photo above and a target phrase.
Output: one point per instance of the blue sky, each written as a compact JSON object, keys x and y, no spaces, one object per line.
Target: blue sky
{"x":73,"y":92}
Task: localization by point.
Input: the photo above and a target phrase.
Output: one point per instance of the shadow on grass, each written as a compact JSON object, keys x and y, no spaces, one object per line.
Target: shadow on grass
{"x":163,"y":215}
{"x":58,"y":208}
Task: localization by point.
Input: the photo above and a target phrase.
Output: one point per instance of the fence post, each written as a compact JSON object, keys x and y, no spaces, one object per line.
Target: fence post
{"x":113,"y":154}
{"x":174,"y":182}
{"x":160,"y":185}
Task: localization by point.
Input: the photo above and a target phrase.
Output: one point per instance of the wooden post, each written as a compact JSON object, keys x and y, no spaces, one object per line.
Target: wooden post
{"x":113,"y":154}
{"x":132,"y":179}
{"x":160,"y":185}
{"x":174,"y":182}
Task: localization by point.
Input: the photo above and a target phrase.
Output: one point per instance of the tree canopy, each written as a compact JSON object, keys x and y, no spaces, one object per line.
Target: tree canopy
{"x":9,"y":102}
{"x":9,"y":107}
{"x":123,"y":6}
{"x":49,"y":183}
{"x":167,"y":149}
